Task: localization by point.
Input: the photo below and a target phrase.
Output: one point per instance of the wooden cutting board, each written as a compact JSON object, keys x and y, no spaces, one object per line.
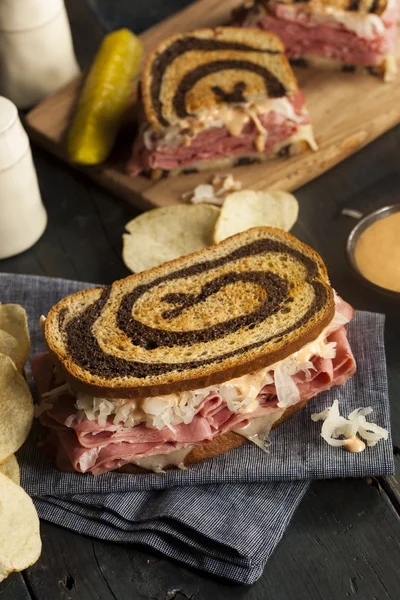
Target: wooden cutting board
{"x":347,"y":111}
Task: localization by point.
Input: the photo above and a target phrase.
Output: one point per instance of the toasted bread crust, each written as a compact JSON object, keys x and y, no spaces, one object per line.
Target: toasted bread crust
{"x":199,"y":382}
{"x":287,"y":148}
{"x":376,"y":7}
{"x":221,"y":444}
{"x":174,"y":84}
{"x":387,"y":70}
{"x":203,"y":373}
{"x":86,"y":380}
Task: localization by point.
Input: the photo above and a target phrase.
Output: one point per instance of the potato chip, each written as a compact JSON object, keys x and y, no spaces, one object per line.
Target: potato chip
{"x":9,"y":346}
{"x":10,"y":468}
{"x":14,"y":321}
{"x":20,"y":543}
{"x":16,"y":408}
{"x":166,"y":233}
{"x":248,"y":208}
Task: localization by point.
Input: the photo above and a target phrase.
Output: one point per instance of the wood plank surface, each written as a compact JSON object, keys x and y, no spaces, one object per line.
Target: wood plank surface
{"x":15,"y":588}
{"x":347,"y":112}
{"x":343,"y":542}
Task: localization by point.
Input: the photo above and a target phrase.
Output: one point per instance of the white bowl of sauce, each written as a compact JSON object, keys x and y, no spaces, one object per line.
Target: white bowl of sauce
{"x":373,"y":249}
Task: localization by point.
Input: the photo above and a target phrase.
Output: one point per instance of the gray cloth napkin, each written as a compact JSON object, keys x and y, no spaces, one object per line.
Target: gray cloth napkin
{"x":225,"y":515}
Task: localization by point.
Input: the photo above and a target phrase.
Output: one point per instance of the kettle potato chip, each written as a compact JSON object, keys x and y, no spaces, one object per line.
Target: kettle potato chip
{"x":10,"y":469}
{"x":14,"y":322}
{"x":20,"y":544}
{"x":16,"y":408}
{"x":248,"y":208}
{"x":163,"y":234}
{"x":9,"y":346}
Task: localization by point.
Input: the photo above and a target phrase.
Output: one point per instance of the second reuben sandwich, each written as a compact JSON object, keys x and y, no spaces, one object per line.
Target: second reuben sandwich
{"x":192,"y":358}
{"x":215,"y":98}
{"x":347,"y":35}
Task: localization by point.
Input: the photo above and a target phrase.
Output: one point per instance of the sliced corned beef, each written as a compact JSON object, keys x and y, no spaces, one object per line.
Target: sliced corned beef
{"x":216,"y":142}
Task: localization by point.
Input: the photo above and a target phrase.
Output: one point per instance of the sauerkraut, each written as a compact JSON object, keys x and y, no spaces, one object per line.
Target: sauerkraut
{"x":336,"y":426}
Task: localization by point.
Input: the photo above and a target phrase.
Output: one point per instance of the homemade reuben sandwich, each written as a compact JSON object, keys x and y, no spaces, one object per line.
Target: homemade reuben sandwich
{"x":348,"y":35}
{"x":216,"y":98}
{"x":192,"y":358}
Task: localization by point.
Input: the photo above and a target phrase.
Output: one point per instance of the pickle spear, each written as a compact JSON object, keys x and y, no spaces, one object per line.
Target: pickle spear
{"x":104,"y":97}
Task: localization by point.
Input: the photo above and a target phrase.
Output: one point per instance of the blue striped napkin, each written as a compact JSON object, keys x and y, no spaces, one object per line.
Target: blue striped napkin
{"x":226,"y":515}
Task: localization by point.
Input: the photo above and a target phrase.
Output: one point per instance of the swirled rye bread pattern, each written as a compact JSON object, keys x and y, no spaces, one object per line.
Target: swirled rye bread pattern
{"x":217,"y":97}
{"x":347,"y":35}
{"x":189,"y":359}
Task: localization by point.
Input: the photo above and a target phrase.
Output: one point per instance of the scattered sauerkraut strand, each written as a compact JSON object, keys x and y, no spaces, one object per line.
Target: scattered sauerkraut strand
{"x":335,"y":426}
{"x":351,"y":212}
{"x":213,"y":192}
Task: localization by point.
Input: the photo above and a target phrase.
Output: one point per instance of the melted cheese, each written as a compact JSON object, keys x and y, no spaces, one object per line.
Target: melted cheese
{"x":316,"y":348}
{"x":258,"y":429}
{"x":389,"y":67}
{"x":241,"y":393}
{"x":235,"y":116}
{"x":42,"y":323}
{"x":158,"y":462}
{"x":232,"y":116}
{"x":304,"y":133}
{"x":363,"y":25}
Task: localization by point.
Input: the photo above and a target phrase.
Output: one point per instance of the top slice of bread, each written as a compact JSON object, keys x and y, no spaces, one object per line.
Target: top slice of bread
{"x":362,"y":7}
{"x":199,"y":70}
{"x":202,"y":319}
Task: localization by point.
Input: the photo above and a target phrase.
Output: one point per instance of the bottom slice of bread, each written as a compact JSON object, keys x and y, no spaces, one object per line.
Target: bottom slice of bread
{"x":387,"y":70}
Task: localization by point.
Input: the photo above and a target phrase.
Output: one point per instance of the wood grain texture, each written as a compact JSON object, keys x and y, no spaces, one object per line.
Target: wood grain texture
{"x":343,"y":542}
{"x":14,"y":588}
{"x":391,"y":484}
{"x":347,"y":112}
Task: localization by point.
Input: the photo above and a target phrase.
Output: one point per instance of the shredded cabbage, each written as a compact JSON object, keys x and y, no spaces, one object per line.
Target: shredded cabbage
{"x":48,"y":398}
{"x":286,"y":389}
{"x":170,"y":410}
{"x":58,"y":391}
{"x":43,"y":407}
{"x":329,"y":350}
{"x":335,"y":426}
{"x":88,"y":459}
{"x":96,"y":409}
{"x":69,"y":420}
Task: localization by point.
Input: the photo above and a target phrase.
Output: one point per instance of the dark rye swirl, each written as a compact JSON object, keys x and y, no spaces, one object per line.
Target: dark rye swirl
{"x":201,"y":69}
{"x":205,"y":318}
{"x":362,"y":6}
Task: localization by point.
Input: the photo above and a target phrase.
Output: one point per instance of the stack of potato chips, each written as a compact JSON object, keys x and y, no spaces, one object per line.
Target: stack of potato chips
{"x":20,"y":543}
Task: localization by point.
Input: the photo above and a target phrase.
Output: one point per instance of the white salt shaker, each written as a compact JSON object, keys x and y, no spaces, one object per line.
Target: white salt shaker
{"x":36,"y":51}
{"x":23,"y":217}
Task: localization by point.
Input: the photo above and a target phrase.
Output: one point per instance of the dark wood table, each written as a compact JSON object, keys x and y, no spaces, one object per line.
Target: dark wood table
{"x":344,"y":540}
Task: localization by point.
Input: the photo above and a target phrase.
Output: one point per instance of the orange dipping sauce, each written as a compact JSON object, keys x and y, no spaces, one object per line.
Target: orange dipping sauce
{"x":377,"y":252}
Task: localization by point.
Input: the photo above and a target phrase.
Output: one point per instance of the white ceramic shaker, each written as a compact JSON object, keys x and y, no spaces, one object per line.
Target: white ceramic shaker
{"x":23,"y":217}
{"x":36,"y":51}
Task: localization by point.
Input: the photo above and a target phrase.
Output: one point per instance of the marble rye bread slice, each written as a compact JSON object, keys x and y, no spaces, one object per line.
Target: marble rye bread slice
{"x":365,"y":7}
{"x":204,"y":68}
{"x":202,"y":319}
